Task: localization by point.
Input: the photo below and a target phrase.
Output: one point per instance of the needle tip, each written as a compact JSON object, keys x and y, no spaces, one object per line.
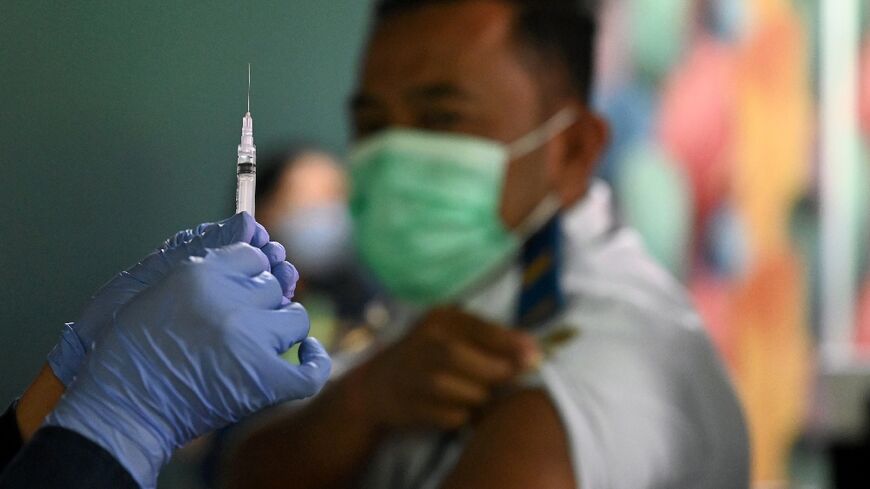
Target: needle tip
{"x":249,"y":87}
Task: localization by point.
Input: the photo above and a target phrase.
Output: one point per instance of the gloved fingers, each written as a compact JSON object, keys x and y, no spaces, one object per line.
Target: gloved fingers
{"x":314,"y":363}
{"x":150,"y":270}
{"x":264,"y":292}
{"x":287,"y":276}
{"x":261,"y":236}
{"x":67,"y":356}
{"x":312,"y":352}
{"x":240,"y":228}
{"x":275,"y":252}
{"x":239,"y":257}
{"x":306,"y":379}
{"x":286,"y":273}
{"x":181,"y":237}
{"x":204,"y":227}
{"x":280,"y":329}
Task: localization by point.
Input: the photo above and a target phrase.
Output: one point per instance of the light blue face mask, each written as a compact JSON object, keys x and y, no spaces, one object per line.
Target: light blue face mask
{"x":318,"y":239}
{"x":425,"y":208}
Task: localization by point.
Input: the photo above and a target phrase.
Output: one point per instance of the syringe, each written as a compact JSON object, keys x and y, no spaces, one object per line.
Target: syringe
{"x":246,"y":170}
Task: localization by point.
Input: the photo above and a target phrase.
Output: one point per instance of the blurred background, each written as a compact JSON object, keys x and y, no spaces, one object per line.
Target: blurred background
{"x":741,"y":131}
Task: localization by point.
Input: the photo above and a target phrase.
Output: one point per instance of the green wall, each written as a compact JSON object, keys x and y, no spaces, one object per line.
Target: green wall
{"x":119,"y":123}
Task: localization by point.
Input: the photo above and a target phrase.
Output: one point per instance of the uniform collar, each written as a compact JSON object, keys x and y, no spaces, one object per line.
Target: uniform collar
{"x":590,"y":219}
{"x":587,"y":221}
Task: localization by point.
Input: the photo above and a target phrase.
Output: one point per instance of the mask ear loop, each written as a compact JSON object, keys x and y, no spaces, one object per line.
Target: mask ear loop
{"x":550,"y":205}
{"x":540,"y":215}
{"x":526,"y":144}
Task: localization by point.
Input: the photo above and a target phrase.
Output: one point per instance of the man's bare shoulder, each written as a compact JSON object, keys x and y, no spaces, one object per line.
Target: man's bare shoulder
{"x":518,"y":443}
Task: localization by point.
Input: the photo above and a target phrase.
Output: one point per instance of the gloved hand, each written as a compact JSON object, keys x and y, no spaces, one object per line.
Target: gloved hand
{"x":76,"y":338}
{"x":189,"y":355}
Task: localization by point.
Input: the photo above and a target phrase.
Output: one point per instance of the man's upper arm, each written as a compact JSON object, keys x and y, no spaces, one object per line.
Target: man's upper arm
{"x":519,"y":443}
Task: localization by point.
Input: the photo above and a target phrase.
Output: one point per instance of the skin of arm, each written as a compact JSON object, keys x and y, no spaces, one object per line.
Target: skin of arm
{"x":336,"y":432}
{"x":37,"y":402}
{"x":437,"y":376}
{"x":523,"y":432}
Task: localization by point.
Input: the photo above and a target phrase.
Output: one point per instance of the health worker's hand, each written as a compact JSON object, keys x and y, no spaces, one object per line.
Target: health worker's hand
{"x":445,"y":369}
{"x":197,"y":351}
{"x":76,"y":338}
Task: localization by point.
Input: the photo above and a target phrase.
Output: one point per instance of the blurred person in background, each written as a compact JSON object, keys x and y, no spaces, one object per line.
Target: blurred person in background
{"x":535,"y":343}
{"x":302,"y":200}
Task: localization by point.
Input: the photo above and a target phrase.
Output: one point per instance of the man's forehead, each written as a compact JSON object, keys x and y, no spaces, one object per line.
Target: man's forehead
{"x":474,"y":21}
{"x":438,"y":38}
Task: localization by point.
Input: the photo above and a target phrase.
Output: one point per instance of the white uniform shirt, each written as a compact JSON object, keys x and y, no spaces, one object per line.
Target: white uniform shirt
{"x":642,"y":396}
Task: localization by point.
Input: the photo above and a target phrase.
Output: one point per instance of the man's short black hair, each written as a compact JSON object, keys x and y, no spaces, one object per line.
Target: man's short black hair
{"x":558,"y":31}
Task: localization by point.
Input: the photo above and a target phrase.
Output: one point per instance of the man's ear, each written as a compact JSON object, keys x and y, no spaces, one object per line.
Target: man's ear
{"x":585,"y":142}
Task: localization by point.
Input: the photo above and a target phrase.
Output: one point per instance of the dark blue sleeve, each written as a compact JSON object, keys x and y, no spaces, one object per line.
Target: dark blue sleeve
{"x":10,"y":436}
{"x":60,"y":458}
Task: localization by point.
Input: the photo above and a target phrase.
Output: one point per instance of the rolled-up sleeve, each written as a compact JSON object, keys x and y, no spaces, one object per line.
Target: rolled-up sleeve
{"x":646,"y":406}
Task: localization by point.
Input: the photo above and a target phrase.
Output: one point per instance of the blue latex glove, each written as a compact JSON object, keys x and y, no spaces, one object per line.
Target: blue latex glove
{"x":189,"y":355}
{"x":76,"y":338}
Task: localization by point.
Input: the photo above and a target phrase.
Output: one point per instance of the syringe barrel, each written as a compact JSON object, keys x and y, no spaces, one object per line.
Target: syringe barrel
{"x":245,"y":193}
{"x":247,"y":168}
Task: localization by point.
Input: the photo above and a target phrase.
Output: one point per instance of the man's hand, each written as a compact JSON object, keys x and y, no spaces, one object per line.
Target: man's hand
{"x":442,"y":372}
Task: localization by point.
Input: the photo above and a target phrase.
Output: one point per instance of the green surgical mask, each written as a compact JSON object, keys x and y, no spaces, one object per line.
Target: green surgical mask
{"x":425,"y":207}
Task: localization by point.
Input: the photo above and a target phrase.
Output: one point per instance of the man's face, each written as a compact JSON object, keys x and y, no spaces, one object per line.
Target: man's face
{"x":456,"y":67}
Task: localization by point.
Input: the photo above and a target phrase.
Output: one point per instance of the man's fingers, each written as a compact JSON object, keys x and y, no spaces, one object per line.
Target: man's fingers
{"x":443,"y":417}
{"x":515,"y":345}
{"x":474,"y":363}
{"x":454,"y":389}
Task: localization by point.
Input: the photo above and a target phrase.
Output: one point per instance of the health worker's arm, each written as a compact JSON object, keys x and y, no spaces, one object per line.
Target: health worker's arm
{"x":37,"y":401}
{"x":24,"y":417}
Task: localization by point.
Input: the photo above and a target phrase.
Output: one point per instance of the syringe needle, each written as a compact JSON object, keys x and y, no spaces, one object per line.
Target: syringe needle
{"x":249,"y":87}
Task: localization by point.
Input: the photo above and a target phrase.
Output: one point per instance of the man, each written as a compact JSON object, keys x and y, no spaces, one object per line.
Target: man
{"x":476,"y":206}
{"x":185,"y":342}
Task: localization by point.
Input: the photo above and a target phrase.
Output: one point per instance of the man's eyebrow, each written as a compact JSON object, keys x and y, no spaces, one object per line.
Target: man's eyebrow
{"x":432,"y":92}
{"x":436,"y":92}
